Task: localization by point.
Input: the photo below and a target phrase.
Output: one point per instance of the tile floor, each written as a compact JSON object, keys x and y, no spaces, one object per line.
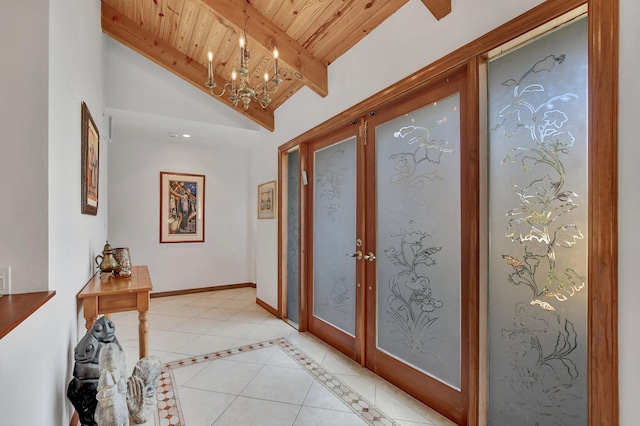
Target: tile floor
{"x":261,"y":385}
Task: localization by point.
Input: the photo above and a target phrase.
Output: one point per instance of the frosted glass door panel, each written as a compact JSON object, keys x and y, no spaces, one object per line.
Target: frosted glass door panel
{"x":334,"y":235}
{"x":538,"y":227}
{"x":293,"y":225}
{"x":418,"y":239}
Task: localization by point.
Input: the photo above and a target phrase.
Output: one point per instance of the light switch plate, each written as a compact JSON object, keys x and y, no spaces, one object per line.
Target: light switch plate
{"x":5,"y":280}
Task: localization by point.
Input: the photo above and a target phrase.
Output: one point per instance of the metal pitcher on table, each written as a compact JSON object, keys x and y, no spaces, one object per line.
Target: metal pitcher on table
{"x":107,"y":262}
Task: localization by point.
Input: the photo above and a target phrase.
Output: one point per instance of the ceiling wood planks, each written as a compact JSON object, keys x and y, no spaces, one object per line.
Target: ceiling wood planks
{"x":332,"y":47}
{"x":309,"y":35}
{"x":310,"y":71}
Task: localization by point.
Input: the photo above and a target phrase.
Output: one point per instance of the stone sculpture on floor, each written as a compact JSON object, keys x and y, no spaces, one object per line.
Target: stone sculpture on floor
{"x":83,"y":387}
{"x":141,"y":388}
{"x":112,"y":388}
{"x":94,"y":390}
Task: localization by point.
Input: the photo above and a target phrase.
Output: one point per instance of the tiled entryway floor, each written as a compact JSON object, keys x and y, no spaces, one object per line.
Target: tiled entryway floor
{"x":267,"y":384}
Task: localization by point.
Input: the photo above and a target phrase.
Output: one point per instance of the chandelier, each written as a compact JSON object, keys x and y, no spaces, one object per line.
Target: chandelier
{"x":240,"y":88}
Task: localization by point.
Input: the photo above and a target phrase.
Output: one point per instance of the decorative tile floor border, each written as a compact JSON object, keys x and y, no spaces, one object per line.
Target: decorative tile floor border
{"x":170,"y":413}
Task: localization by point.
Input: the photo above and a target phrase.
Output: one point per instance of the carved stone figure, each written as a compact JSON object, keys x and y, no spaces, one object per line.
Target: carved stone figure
{"x":112,"y":388}
{"x":83,"y":387}
{"x":100,"y":391}
{"x":141,"y":388}
{"x":82,"y":394}
{"x":104,"y":330}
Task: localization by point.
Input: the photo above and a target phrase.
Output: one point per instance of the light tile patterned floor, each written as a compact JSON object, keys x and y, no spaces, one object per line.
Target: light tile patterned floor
{"x":280,"y":377}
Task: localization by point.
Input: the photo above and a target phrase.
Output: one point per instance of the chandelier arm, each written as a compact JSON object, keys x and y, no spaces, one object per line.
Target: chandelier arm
{"x":211,"y":85}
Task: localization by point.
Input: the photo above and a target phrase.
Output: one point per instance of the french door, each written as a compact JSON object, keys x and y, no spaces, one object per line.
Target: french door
{"x":387,"y":237}
{"x":334,"y":274}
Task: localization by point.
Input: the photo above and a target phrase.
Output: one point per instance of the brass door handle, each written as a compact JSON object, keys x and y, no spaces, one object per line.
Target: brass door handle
{"x":370,"y":257}
{"x":357,"y":255}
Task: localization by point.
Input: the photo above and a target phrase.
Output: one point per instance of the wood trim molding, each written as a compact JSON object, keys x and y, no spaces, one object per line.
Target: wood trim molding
{"x":267,"y":307}
{"x":128,"y":32}
{"x":302,"y":274}
{"x":281,"y":307}
{"x":438,"y":8}
{"x":603,"y":213}
{"x":15,"y":308}
{"x":471,"y":226}
{"x":200,"y":290}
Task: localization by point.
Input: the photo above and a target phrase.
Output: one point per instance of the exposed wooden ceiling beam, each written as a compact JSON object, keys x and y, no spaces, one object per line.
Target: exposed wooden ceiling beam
{"x":439,"y":8}
{"x":309,"y":70}
{"x":137,"y":38}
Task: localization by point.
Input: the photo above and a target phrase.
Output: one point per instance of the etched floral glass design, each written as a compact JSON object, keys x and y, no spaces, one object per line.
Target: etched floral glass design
{"x":334,"y":235}
{"x":418,"y":239}
{"x":293,"y":224}
{"x":537,"y":314}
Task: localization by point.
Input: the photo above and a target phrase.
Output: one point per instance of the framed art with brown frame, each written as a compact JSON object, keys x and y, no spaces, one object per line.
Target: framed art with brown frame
{"x":181,"y":208}
{"x":90,"y":161}
{"x":267,"y":200}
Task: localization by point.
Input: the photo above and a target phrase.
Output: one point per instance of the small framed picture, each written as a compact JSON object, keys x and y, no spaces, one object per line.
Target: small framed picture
{"x":181,"y":208}
{"x":90,"y":138}
{"x":267,"y":200}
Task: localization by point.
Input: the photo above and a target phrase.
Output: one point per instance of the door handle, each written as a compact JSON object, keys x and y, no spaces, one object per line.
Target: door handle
{"x":357,"y":255}
{"x":370,"y":257}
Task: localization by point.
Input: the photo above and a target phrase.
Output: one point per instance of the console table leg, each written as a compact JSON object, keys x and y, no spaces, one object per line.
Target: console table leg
{"x":143,"y":329}
{"x":90,"y":311}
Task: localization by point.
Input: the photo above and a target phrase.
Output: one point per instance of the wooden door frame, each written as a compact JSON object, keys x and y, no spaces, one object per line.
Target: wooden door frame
{"x":603,"y":33}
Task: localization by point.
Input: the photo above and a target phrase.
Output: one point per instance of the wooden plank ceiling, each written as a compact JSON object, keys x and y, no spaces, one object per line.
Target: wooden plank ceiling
{"x":308,"y":34}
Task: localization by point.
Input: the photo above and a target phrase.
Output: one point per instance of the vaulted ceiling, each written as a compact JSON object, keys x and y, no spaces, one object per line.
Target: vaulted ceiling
{"x":308,"y":34}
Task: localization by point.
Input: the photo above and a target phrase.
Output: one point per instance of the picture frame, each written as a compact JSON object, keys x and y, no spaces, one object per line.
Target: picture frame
{"x":90,"y":162}
{"x":267,"y":201}
{"x":182,"y":197}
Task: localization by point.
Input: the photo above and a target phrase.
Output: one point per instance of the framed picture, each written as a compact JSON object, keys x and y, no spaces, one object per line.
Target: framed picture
{"x":90,"y":162}
{"x":181,"y":208}
{"x":267,"y":200}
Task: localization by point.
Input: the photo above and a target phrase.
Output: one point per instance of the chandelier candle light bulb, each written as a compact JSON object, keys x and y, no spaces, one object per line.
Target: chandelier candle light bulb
{"x":242,"y":55}
{"x":275,"y":60}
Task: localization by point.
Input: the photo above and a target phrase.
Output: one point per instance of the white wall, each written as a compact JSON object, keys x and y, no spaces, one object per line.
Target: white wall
{"x":52,"y":60}
{"x":23,"y":160}
{"x":134,"y":198}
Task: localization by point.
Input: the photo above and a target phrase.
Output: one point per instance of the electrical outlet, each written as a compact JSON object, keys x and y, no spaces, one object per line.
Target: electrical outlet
{"x":5,"y":280}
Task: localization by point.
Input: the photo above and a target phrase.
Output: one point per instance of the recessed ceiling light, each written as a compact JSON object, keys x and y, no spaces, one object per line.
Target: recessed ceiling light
{"x":186,"y":135}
